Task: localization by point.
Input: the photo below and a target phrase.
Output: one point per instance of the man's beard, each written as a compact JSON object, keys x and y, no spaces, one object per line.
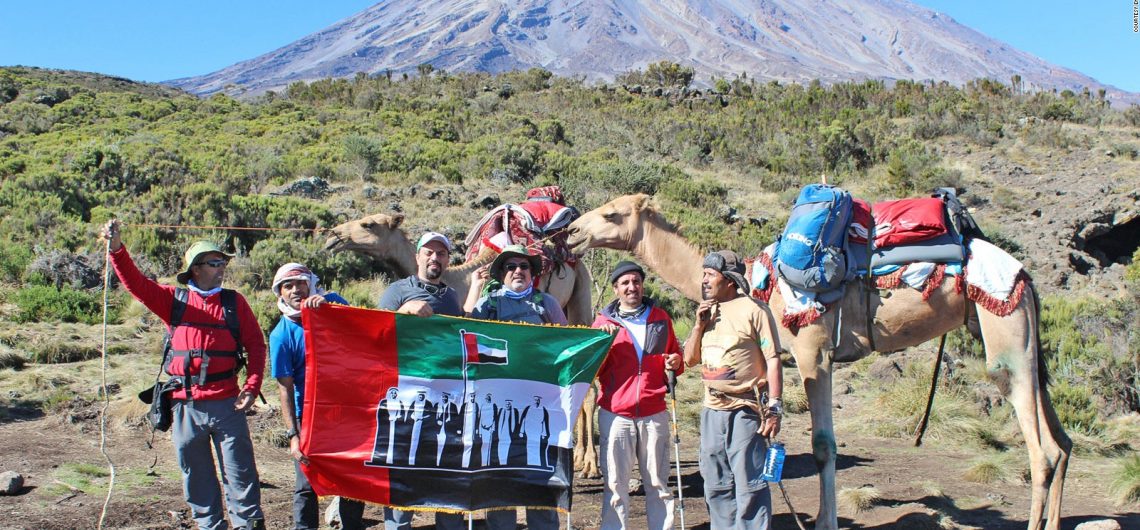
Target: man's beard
{"x":705,"y":292}
{"x":433,"y":273}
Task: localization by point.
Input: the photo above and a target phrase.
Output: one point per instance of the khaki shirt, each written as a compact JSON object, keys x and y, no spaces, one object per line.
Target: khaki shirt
{"x":733,"y":351}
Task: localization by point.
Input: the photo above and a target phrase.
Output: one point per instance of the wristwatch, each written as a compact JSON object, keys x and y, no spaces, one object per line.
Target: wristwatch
{"x":775,"y":407}
{"x":291,"y":433}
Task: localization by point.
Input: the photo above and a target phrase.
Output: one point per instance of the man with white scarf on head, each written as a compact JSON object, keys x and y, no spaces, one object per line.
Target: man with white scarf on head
{"x":296,"y":287}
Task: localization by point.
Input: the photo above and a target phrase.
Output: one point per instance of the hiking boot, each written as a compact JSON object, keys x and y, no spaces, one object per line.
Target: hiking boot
{"x":255,"y":524}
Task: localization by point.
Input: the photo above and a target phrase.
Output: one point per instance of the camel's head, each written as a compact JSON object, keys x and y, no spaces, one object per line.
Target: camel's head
{"x":615,"y":224}
{"x":371,"y":235}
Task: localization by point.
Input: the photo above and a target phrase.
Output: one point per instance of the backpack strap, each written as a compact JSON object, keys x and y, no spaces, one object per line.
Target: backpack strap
{"x":233,"y":324}
{"x":492,"y":308}
{"x":229,"y":309}
{"x":178,"y":309}
{"x":538,"y":301}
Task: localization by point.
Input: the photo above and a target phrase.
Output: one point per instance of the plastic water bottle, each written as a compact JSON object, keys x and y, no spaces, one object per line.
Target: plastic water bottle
{"x":774,"y":463}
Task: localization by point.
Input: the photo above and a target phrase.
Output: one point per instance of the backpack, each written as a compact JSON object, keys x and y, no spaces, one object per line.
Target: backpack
{"x":811,"y":253}
{"x":158,"y":396}
{"x":960,"y":218}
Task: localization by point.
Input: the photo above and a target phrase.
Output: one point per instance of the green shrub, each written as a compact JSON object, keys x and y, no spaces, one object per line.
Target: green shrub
{"x":333,"y":269}
{"x":1075,"y":408}
{"x":14,"y":259}
{"x":39,"y":303}
{"x":1123,"y":150}
{"x":1125,"y":486}
{"x":913,"y":170}
{"x":698,"y":193}
{"x":1050,"y":134}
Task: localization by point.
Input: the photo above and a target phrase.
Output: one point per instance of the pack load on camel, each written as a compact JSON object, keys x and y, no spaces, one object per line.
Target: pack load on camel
{"x":832,"y":239}
{"x":537,"y":223}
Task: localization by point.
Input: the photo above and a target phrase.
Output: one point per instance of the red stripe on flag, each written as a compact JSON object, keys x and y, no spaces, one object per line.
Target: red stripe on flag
{"x":338,"y":442}
{"x":471,"y":346}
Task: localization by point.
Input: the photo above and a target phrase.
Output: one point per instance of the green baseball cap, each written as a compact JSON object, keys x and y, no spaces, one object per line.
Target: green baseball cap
{"x":192,"y":253}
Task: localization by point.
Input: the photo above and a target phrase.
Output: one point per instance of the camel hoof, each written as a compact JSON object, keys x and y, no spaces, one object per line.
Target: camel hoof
{"x":590,"y":470}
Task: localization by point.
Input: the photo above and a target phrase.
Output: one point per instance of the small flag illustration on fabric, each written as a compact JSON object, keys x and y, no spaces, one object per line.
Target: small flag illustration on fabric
{"x":481,"y":349}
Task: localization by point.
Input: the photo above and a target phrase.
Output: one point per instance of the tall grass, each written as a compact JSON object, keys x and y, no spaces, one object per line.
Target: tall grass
{"x":995,"y":468}
{"x":899,"y":408}
{"x":11,"y":359}
{"x":858,"y":500}
{"x":1125,"y":486}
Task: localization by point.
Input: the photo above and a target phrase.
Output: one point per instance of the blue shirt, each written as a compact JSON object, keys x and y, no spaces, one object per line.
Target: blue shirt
{"x":287,"y":353}
{"x":442,"y":299}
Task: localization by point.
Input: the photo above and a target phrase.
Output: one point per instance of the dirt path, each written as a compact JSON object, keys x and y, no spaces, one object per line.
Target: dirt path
{"x":919,"y":486}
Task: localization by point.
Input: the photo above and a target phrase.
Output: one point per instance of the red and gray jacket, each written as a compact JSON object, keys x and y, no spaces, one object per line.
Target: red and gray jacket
{"x":628,"y":387}
{"x":202,"y":335}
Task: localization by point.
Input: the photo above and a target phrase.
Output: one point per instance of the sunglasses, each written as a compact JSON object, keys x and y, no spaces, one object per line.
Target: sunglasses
{"x":520,"y":266}
{"x":216,"y":263}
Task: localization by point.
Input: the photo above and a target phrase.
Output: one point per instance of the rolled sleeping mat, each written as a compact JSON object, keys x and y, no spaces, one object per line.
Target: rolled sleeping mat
{"x":942,"y":249}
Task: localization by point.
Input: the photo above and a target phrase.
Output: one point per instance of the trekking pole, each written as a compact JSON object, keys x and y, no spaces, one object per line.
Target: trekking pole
{"x":671,"y":381}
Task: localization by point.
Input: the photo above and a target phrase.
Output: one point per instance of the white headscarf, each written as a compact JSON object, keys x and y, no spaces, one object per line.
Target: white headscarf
{"x":289,"y":272}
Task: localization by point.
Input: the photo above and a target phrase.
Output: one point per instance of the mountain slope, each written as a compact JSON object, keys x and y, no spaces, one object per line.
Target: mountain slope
{"x":785,"y":40}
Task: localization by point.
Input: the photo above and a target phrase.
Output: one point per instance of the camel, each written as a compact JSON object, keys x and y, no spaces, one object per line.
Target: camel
{"x":901,"y":319}
{"x":381,"y":237}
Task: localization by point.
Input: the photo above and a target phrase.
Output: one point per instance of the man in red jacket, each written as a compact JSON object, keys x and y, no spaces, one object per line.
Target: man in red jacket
{"x":632,"y":385}
{"x":209,"y":408}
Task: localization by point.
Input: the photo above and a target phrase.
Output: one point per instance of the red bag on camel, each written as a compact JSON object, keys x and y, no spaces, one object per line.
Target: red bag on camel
{"x":908,"y":221}
{"x":860,"y":222}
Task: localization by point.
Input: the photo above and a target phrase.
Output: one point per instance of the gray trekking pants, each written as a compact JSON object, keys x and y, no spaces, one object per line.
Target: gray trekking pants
{"x":731,"y":462}
{"x":201,"y":429}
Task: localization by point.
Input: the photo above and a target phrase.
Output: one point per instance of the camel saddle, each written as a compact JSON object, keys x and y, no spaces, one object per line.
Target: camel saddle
{"x":538,"y":223}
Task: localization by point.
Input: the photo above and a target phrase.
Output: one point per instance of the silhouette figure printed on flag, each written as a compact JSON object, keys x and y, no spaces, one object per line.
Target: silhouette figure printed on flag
{"x":470,"y":414}
{"x":507,"y":429}
{"x":488,"y":416}
{"x":449,"y":422}
{"x":536,"y":431}
{"x":420,"y":411}
{"x":390,"y":415}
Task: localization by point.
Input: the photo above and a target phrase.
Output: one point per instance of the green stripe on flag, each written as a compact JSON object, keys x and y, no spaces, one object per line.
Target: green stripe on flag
{"x":433,"y":348}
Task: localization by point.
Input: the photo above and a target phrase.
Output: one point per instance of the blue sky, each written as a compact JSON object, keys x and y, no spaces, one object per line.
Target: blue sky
{"x":157,"y":40}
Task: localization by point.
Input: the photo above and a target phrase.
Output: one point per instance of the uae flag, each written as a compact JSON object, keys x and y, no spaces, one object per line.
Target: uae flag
{"x":483,"y":349}
{"x":443,"y":413}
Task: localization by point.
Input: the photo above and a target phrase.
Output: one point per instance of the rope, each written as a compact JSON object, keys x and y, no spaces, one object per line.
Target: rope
{"x":106,"y":395}
{"x":206,"y":227}
{"x":921,"y":428}
{"x":788,"y":501}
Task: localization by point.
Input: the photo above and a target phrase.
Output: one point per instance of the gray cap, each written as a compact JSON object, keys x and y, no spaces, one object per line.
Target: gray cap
{"x":730,"y":265}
